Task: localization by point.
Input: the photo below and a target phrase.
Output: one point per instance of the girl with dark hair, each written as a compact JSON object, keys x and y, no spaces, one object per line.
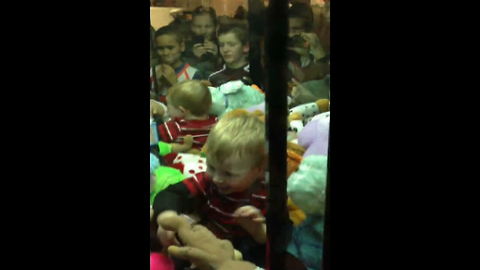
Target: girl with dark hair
{"x":202,"y":48}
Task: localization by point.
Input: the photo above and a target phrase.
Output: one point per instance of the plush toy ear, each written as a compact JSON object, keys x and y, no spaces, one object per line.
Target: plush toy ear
{"x":294,"y":116}
{"x":323,"y":105}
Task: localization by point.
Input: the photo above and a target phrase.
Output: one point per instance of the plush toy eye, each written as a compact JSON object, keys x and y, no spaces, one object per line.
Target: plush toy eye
{"x":295,"y":129}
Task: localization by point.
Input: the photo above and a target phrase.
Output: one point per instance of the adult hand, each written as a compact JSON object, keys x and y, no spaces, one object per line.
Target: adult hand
{"x":200,"y":246}
{"x":297,"y":72}
{"x":166,"y":237}
{"x":300,"y":94}
{"x":314,"y":45}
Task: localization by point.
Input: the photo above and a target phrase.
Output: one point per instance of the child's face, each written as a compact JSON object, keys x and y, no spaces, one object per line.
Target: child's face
{"x":169,"y":50}
{"x":232,"y":50}
{"x":202,"y":25}
{"x":233,"y":175}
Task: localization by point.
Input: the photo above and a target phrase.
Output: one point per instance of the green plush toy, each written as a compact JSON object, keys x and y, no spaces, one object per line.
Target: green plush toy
{"x":163,"y":177}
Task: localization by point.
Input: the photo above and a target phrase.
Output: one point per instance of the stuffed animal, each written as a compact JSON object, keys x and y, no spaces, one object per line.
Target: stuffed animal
{"x":234,"y":95}
{"x":307,"y":189}
{"x":300,"y":115}
{"x":314,"y":136}
{"x":308,"y":110}
{"x":314,"y":139}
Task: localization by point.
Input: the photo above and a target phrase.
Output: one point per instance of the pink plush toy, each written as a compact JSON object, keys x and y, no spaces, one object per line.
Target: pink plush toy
{"x":314,"y":136}
{"x":159,"y":261}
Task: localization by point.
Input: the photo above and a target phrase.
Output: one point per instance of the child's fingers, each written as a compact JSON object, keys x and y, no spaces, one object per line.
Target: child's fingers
{"x":244,"y":209}
{"x":239,"y":211}
{"x":248,"y":213}
{"x":259,"y":219}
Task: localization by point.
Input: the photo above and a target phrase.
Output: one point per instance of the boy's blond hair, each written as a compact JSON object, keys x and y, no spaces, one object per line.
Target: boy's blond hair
{"x":191,"y":95}
{"x":239,"y":134}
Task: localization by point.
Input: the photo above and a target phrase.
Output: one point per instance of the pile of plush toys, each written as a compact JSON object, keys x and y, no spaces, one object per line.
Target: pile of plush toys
{"x":307,"y":149}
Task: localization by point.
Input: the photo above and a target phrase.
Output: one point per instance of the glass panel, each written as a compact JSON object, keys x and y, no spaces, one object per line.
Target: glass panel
{"x":207,"y":159}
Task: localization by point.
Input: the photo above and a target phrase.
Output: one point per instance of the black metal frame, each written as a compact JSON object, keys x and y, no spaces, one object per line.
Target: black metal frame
{"x":276,"y":30}
{"x":276,"y":119}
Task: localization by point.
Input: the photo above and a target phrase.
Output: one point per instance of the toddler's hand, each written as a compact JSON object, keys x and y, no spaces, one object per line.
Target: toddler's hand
{"x":252,"y":220}
{"x":188,"y":140}
{"x":249,"y":212}
{"x":156,"y":108}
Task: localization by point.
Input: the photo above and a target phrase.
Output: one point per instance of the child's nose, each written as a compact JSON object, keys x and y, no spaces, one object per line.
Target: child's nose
{"x":164,"y":52}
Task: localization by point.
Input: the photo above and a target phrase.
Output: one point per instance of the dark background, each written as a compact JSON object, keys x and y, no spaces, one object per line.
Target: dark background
{"x":402,"y":151}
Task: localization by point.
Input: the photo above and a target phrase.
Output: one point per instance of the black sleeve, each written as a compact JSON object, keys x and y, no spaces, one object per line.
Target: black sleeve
{"x":175,"y":197}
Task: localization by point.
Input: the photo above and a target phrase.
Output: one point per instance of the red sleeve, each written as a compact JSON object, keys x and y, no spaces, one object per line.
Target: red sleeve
{"x":168,"y":132}
{"x":197,"y":184}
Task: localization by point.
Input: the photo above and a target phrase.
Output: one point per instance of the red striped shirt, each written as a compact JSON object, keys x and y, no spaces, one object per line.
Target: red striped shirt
{"x":218,"y":209}
{"x":170,"y":131}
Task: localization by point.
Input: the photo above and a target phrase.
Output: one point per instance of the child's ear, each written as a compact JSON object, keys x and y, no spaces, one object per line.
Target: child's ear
{"x":246,"y":48}
{"x":183,"y":110}
{"x":260,"y":169}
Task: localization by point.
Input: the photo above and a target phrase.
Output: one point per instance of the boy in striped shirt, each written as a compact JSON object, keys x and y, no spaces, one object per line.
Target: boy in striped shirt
{"x":188,"y":105}
{"x":230,"y":198}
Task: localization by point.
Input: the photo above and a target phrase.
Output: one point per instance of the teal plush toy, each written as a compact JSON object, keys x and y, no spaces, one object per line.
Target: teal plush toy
{"x":307,"y":187}
{"x":234,"y":95}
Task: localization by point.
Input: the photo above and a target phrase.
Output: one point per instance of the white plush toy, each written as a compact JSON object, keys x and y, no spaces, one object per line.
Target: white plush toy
{"x":189,"y":164}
